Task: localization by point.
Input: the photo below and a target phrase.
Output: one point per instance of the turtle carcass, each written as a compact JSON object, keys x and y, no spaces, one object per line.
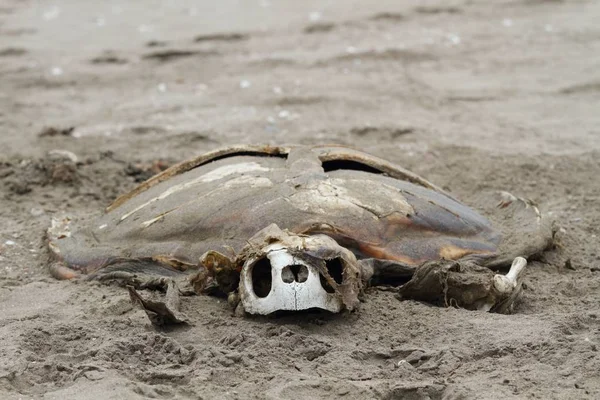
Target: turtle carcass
{"x":294,"y":228}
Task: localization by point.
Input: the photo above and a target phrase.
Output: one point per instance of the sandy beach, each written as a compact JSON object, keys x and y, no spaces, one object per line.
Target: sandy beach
{"x":96,"y":96}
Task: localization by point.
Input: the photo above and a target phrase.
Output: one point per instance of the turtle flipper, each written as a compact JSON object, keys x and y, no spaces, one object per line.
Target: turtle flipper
{"x":60,"y":270}
{"x":161,"y":312}
{"x":465,"y":285}
{"x":525,"y":231}
{"x":140,"y":274}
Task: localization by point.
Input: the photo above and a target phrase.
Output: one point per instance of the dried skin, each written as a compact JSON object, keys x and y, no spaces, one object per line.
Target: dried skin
{"x":161,"y":312}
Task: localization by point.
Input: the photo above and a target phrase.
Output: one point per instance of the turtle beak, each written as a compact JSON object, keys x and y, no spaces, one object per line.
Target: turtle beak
{"x":300,"y":273}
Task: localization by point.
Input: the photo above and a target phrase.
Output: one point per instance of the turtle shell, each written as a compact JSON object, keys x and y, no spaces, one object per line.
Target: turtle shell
{"x":219,"y":200}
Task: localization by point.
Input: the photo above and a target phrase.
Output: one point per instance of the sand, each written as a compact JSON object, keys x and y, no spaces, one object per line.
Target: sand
{"x":472,"y":95}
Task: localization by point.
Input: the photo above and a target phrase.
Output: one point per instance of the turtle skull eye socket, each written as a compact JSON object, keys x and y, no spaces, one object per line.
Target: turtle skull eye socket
{"x":335,"y":268}
{"x":262,"y":280}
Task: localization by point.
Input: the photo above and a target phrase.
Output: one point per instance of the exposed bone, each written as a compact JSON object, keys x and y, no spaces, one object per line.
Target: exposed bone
{"x":294,"y":295}
{"x":505,"y":284}
{"x":506,"y":288}
{"x":64,"y":154}
{"x":298,"y":273}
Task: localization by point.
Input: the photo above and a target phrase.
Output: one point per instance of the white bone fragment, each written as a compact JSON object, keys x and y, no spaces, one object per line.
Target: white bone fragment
{"x":505,"y":284}
{"x":303,"y":294}
{"x":64,"y":154}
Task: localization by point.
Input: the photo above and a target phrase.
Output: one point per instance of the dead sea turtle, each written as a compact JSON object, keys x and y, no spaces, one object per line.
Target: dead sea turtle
{"x":293,"y":228}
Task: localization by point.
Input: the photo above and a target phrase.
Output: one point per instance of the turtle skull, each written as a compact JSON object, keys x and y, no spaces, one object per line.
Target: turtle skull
{"x":299,"y":273}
